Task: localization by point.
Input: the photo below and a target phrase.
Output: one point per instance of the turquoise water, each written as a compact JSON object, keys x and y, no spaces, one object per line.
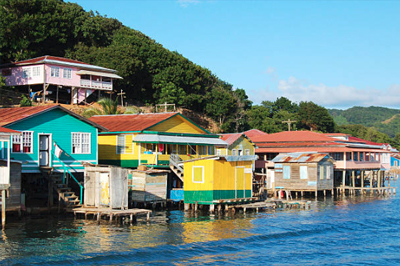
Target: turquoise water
{"x":345,"y":231}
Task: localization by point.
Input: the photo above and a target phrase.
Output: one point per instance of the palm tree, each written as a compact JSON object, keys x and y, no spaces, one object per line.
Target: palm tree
{"x":108,"y":107}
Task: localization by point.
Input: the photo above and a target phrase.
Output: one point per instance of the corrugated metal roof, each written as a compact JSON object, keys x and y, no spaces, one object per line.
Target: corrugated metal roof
{"x":133,"y":122}
{"x":97,"y":73}
{"x":154,"y":138}
{"x":12,"y":115}
{"x":315,"y":149}
{"x":292,"y":136}
{"x":7,"y":130}
{"x":230,"y":138}
{"x":254,"y":133}
{"x":300,"y":157}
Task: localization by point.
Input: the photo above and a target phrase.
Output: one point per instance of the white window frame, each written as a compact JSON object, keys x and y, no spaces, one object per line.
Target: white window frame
{"x":80,"y":140}
{"x":67,"y":73}
{"x":218,"y":152}
{"x":22,"y":141}
{"x":36,"y":71}
{"x":120,"y":149}
{"x":27,"y":72}
{"x":286,"y":172}
{"x":247,"y":152}
{"x":328,"y":172}
{"x":234,"y":152}
{"x":303,"y":173}
{"x":55,"y":71}
{"x":202,"y":174}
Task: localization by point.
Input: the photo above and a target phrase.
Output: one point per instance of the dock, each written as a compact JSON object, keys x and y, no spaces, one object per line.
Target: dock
{"x":111,"y":213}
{"x":273,"y":204}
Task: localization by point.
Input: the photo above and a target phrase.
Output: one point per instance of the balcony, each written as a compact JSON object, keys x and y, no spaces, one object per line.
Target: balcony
{"x":94,"y":84}
{"x":357,"y":165}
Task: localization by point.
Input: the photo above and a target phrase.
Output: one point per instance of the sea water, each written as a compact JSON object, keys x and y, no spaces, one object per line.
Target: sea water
{"x":359,"y":230}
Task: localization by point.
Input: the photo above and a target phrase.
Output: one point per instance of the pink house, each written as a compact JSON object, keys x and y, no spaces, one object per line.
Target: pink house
{"x":51,"y":78}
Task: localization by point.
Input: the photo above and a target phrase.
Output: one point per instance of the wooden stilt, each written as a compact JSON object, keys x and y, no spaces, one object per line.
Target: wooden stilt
{"x":3,"y":208}
{"x":187,"y":206}
{"x":196,"y":207}
{"x":212,"y":206}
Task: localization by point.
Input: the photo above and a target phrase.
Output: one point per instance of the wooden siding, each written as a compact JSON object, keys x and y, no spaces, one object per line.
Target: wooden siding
{"x":13,"y":201}
{"x":313,"y":181}
{"x":59,"y":125}
{"x":177,"y":124}
{"x":147,"y":186}
{"x":242,"y":144}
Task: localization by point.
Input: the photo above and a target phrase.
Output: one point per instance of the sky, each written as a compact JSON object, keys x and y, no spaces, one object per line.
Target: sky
{"x":337,"y":54}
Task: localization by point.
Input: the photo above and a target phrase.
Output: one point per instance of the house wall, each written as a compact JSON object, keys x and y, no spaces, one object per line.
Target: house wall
{"x":177,"y":124}
{"x":108,"y":151}
{"x":13,"y":200}
{"x":59,"y":125}
{"x":220,"y":181}
{"x":17,"y":77}
{"x":241,"y":144}
{"x":74,"y":81}
{"x":314,"y":180}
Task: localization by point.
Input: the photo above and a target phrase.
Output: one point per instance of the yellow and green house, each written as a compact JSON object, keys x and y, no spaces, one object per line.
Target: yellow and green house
{"x":150,"y":139}
{"x":218,"y":179}
{"x":238,"y":145}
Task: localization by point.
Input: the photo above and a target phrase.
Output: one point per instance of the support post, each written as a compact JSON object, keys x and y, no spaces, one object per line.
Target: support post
{"x":212,"y":206}
{"x":3,"y":208}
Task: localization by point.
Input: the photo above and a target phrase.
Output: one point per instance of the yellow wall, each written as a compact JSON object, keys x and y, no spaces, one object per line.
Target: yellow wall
{"x":108,"y":147}
{"x":177,"y":124}
{"x":218,"y":175}
{"x":243,"y":144}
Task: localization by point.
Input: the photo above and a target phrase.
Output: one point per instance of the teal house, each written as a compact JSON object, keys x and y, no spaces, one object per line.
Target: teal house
{"x":51,"y":137}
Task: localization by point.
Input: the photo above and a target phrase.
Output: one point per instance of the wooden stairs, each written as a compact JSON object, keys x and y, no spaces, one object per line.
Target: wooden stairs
{"x":174,"y":165}
{"x":65,"y":193}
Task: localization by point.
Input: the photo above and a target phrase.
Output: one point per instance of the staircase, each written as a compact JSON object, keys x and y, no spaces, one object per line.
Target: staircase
{"x":174,"y":161}
{"x":65,"y":193}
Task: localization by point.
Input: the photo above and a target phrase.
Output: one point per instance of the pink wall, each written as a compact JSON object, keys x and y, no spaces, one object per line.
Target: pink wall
{"x":17,"y":76}
{"x":73,"y":82}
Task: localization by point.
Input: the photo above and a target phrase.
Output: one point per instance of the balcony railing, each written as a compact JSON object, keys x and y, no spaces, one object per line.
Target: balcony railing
{"x":96,"y":84}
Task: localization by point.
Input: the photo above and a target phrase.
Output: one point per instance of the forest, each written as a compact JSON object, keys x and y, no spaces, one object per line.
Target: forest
{"x":152,"y":74}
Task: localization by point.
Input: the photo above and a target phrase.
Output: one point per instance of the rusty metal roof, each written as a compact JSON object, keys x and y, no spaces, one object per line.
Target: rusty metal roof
{"x":299,"y":157}
{"x":11,"y":115}
{"x":131,"y":122}
{"x":9,"y":131}
{"x":292,"y":136}
{"x":230,"y":138}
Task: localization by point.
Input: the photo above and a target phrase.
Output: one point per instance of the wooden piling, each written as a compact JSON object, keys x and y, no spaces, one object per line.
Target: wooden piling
{"x":3,"y":208}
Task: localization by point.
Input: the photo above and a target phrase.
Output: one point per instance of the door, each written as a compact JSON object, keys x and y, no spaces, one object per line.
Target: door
{"x":240,"y":182}
{"x":104,"y":190}
{"x":44,"y":150}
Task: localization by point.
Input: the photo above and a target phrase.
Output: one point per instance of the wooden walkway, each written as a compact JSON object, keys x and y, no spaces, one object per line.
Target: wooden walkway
{"x":273,"y":204}
{"x":111,"y":213}
{"x":363,"y":190}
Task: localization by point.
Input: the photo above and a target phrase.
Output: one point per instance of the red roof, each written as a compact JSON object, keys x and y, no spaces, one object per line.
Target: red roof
{"x":293,"y":136}
{"x":134,"y":122}
{"x":230,"y":138}
{"x":10,"y":115}
{"x":254,"y":133}
{"x":7,"y":130}
{"x":320,"y":149}
{"x":358,"y":140}
{"x":48,"y":57}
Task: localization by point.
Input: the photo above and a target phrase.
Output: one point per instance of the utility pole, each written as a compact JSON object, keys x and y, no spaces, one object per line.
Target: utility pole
{"x":289,"y":122}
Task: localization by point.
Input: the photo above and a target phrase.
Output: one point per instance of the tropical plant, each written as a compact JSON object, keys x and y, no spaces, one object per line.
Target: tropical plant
{"x":107,"y":107}
{"x":25,"y":101}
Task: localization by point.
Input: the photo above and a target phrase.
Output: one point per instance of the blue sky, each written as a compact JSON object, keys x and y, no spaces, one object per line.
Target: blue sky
{"x":337,"y":54}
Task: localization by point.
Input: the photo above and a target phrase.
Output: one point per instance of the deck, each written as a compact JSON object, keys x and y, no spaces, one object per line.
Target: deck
{"x":111,"y":213}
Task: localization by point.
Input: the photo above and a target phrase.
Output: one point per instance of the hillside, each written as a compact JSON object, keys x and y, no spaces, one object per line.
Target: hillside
{"x":384,"y":119}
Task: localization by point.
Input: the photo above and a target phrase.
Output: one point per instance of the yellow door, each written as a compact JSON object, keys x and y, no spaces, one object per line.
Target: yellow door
{"x":105,"y":190}
{"x":240,"y":182}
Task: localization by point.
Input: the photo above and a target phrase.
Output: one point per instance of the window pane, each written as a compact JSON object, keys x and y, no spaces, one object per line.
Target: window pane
{"x":197,"y":174}
{"x":286,"y":172}
{"x":303,"y":172}
{"x":121,"y":145}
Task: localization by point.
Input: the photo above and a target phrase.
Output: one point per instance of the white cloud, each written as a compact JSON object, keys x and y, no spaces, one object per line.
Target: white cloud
{"x":340,"y":96}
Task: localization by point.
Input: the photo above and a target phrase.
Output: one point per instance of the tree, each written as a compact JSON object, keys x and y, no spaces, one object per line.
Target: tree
{"x":107,"y":107}
{"x":314,"y":117}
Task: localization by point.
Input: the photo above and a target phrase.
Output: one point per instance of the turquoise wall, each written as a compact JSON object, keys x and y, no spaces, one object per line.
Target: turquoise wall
{"x":60,"y":125}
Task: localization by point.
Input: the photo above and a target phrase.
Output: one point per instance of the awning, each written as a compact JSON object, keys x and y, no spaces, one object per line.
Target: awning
{"x":165,"y":139}
{"x":101,"y":74}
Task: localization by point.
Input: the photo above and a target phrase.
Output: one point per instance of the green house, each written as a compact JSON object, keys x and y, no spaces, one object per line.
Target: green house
{"x":51,"y":137}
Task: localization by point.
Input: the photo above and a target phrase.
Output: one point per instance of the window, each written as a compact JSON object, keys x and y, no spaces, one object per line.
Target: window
{"x":67,"y":73}
{"x":198,"y":174}
{"x":182,"y":149}
{"x":120,"y":144}
{"x":348,"y":156}
{"x":192,"y":149}
{"x":355,"y":156}
{"x":80,"y":143}
{"x":26,"y":72}
{"x":286,"y":172}
{"x":247,"y":152}
{"x":22,"y":143}
{"x":303,"y":172}
{"x":202,"y":150}
{"x":172,"y":148}
{"x":321,"y":172}
{"x":211,"y":150}
{"x":218,"y":152}
{"x":338,"y":156}
{"x":328,"y":172}
{"x":55,"y":72}
{"x":36,"y":71}
{"x":233,"y":152}
{"x":361,"y":156}
{"x":240,"y":152}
